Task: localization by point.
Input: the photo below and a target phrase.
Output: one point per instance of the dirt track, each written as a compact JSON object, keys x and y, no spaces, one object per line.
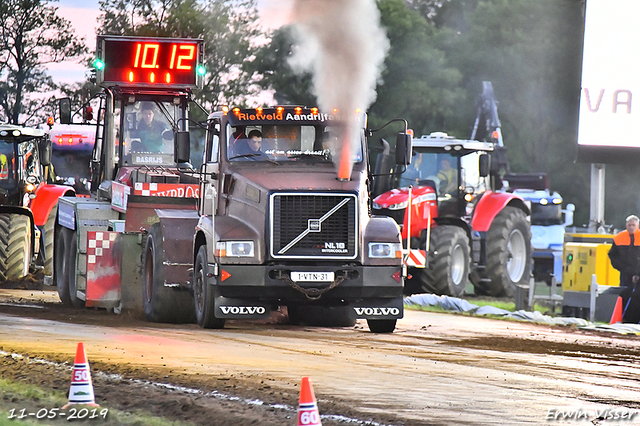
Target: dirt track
{"x":436,"y":369}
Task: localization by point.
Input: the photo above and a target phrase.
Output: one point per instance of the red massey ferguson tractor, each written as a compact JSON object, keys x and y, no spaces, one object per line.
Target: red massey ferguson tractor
{"x":445,"y":203}
{"x":28,"y":202}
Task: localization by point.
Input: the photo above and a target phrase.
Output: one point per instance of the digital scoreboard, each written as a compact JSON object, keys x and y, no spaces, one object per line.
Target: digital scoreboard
{"x":149,"y":62}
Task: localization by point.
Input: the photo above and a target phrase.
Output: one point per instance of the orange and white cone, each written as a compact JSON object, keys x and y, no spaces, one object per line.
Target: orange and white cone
{"x":81,"y":391}
{"x":308,"y":414}
{"x":616,"y":316}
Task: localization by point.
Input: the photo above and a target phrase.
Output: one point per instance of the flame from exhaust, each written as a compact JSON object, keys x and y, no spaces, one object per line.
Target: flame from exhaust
{"x":343,"y":45}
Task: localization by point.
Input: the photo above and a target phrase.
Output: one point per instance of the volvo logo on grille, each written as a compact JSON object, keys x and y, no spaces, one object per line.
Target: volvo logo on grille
{"x":314,"y":225}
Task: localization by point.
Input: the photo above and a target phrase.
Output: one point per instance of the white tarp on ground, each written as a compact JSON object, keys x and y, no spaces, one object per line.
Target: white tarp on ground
{"x":455,"y":304}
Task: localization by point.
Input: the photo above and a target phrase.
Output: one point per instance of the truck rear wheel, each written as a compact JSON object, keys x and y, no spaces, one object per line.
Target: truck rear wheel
{"x":47,"y":241}
{"x":381,"y":326}
{"x":448,"y":271}
{"x":161,"y":303}
{"x":203,"y":293}
{"x":508,"y":252}
{"x":15,"y":246}
{"x":65,"y":266}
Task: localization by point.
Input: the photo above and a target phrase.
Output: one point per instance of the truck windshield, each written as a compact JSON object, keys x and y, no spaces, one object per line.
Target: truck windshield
{"x":148,"y":134}
{"x":546,"y":214}
{"x":284,"y":143}
{"x":434,"y":169}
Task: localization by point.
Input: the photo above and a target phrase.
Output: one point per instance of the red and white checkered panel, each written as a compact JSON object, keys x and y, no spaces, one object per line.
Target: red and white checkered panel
{"x":103,"y":270}
{"x":179,"y":190}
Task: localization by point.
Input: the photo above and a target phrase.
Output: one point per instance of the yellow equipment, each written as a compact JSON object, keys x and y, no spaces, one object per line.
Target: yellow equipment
{"x":586,"y":255}
{"x":582,"y":260}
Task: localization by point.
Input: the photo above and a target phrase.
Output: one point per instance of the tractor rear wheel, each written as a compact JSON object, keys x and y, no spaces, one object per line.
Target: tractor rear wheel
{"x":204,"y":293}
{"x":449,"y":259}
{"x":15,"y":246}
{"x":508,"y":252}
{"x":162,"y":303}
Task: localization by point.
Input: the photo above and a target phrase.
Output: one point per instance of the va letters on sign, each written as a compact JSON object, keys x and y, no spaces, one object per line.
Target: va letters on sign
{"x":607,"y":118}
{"x":620,"y":100}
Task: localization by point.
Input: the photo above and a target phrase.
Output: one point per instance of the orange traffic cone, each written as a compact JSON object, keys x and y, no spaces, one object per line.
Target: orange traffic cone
{"x":308,"y":414}
{"x":616,"y":316}
{"x":81,"y":391}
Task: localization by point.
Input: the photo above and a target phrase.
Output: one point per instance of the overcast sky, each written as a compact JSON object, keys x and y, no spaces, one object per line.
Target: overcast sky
{"x":83,"y":15}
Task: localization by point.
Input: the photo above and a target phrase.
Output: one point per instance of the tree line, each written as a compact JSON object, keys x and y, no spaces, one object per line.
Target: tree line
{"x":440,"y":51}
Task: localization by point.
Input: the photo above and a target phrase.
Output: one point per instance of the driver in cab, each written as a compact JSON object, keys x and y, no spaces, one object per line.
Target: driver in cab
{"x":149,"y":131}
{"x":447,"y":177}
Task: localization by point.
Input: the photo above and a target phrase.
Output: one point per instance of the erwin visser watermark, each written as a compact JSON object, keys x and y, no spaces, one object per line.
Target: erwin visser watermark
{"x":592,"y":414}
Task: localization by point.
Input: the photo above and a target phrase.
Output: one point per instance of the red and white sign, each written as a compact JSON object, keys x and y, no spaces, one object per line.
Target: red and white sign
{"x":179,"y":190}
{"x":417,"y":258}
{"x":119,"y":196}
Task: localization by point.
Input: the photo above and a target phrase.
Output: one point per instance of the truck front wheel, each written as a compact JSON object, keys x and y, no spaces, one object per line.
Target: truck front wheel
{"x":508,"y":252}
{"x":448,"y":271}
{"x":162,"y":303}
{"x":15,"y":246}
{"x":381,"y":326}
{"x":203,"y":293}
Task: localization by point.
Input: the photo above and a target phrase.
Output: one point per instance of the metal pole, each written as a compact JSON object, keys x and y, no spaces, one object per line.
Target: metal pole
{"x":596,"y":219}
{"x":593,"y":294}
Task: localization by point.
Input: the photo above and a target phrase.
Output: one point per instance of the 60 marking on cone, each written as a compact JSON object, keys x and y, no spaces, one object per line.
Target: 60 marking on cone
{"x":308,"y":414}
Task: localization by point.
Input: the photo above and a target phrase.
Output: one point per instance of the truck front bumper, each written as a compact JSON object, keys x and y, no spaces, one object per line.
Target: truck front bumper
{"x":374,"y":292}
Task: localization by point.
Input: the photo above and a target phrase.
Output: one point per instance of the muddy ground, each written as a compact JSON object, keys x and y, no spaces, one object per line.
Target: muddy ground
{"x":199,"y":400}
{"x":541,"y":364}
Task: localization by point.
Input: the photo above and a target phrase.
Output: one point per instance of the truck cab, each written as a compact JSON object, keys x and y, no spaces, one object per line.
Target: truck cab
{"x":279,"y":227}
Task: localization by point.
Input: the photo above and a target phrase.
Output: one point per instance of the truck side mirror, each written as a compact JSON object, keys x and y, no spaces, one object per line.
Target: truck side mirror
{"x":64,"y":110}
{"x":484,"y":165}
{"x":182,"y":153}
{"x":44,"y":146}
{"x":404,"y":149}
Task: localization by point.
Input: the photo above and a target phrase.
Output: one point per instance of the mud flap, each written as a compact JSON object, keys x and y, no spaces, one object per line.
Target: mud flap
{"x":103,"y":270}
{"x":378,"y":309}
{"x":240,"y":309}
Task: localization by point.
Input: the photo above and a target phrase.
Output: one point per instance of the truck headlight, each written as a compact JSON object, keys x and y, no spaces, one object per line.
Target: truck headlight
{"x":385,"y":250}
{"x":399,"y":206}
{"x":377,"y":206}
{"x":234,"y":248}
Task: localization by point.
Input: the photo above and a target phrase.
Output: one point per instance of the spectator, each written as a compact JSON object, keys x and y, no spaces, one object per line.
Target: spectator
{"x":625,"y":257}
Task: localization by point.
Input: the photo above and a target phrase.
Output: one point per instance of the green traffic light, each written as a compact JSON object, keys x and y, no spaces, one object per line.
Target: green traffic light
{"x":201,"y":70}
{"x":98,"y":64}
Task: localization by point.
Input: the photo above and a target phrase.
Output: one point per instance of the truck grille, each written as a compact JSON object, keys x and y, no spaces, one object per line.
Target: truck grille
{"x":319,"y":226}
